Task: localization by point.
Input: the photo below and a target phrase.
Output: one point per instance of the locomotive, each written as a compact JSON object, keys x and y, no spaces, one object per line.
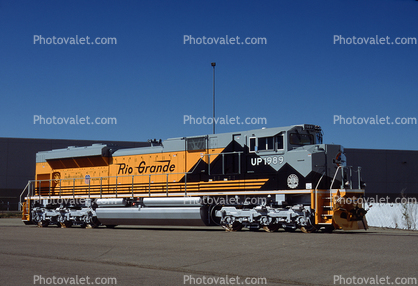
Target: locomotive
{"x":269,"y":178}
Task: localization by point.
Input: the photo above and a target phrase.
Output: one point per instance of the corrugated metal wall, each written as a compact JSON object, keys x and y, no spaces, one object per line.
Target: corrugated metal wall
{"x":391,"y":173}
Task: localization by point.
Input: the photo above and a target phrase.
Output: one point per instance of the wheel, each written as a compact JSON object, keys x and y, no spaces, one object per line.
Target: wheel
{"x":43,"y":223}
{"x":271,"y":227}
{"x":94,"y":223}
{"x":66,"y":224}
{"x":308,"y":229}
{"x":235,"y":226}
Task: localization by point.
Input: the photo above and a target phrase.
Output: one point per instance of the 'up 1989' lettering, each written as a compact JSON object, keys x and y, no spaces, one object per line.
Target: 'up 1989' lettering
{"x":267,"y":160}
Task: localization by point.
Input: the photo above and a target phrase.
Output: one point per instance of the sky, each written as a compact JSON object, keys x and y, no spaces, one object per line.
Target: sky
{"x":316,"y":62}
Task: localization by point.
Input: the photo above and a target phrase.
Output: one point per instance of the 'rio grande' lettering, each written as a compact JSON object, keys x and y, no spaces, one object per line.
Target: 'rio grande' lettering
{"x":163,"y":167}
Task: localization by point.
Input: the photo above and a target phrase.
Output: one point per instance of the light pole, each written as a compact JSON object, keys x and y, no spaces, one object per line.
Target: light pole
{"x":213,"y":117}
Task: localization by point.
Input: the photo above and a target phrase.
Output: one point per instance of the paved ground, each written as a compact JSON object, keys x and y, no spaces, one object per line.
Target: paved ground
{"x":183,"y":256}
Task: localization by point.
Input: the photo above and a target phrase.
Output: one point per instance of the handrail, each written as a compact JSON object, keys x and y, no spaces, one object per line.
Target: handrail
{"x":335,"y":175}
{"x":332,"y":183}
{"x":316,"y":190}
{"x":349,"y":179}
{"x":21,"y":194}
{"x":73,"y":186}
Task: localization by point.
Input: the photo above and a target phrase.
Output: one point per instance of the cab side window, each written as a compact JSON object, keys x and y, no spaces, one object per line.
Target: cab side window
{"x":271,"y":143}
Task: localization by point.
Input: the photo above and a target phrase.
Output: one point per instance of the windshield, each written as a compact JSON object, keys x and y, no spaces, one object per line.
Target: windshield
{"x":301,"y":139}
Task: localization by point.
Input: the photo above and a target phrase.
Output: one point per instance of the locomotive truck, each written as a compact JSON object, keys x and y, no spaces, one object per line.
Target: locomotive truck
{"x":269,"y":178}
